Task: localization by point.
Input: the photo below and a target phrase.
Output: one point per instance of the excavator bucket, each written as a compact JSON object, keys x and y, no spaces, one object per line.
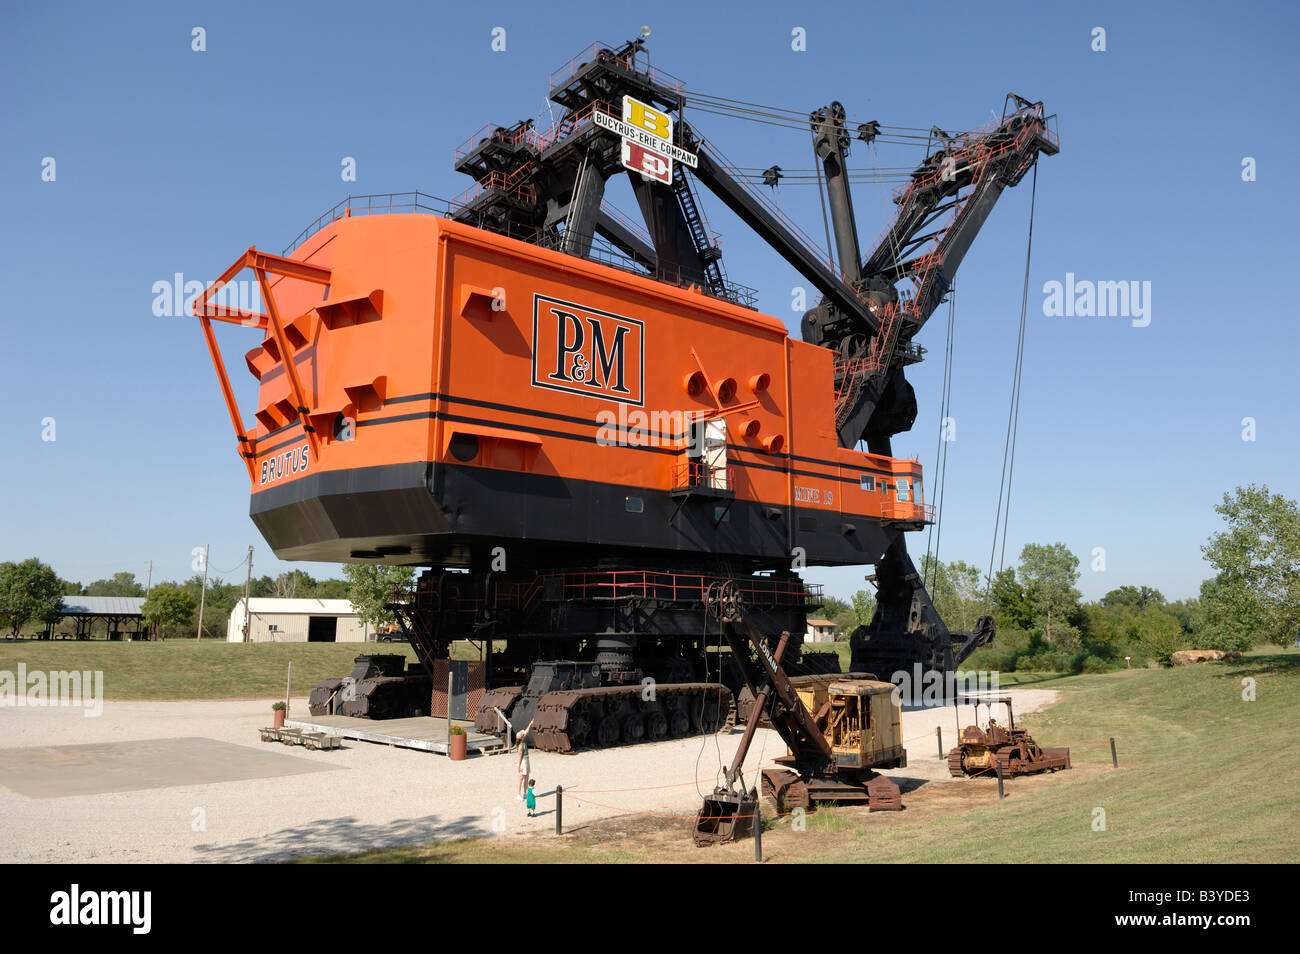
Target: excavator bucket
{"x":725,"y":816}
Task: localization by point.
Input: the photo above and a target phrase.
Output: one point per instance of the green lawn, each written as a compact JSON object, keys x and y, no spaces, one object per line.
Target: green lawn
{"x":186,"y":669}
{"x":1204,"y":777}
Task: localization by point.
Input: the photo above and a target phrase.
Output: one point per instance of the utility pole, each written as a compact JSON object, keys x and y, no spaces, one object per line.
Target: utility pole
{"x":153,"y":630}
{"x":247,"y":579}
{"x":203,"y":595}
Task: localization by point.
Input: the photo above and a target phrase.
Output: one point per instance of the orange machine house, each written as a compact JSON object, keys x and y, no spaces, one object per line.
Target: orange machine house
{"x":430,"y":389}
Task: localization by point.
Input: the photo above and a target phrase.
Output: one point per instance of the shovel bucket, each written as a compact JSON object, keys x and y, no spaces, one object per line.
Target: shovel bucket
{"x":725,"y":817}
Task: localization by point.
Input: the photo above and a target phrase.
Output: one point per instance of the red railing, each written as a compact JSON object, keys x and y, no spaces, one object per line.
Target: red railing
{"x":697,"y":473}
{"x":579,"y":585}
{"x":617,"y":214}
{"x":683,"y":587}
{"x":512,"y":184}
{"x":566,"y":126}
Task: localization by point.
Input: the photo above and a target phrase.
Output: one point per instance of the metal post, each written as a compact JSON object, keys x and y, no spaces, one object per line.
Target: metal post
{"x":1001,"y":794}
{"x":288,"y":682}
{"x":1114,"y":759}
{"x":938,"y":734}
{"x":204,"y":594}
{"x":449,"y":683}
{"x":559,"y":809}
{"x":758,"y":833}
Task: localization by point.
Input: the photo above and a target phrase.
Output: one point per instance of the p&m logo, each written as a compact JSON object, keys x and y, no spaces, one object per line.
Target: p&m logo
{"x":589,"y":352}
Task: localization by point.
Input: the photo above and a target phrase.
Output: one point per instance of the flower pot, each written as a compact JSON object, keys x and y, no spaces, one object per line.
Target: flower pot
{"x":458,"y":746}
{"x":278,"y":718}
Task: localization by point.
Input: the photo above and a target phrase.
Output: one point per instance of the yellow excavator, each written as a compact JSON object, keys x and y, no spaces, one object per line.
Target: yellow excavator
{"x":838,"y":731}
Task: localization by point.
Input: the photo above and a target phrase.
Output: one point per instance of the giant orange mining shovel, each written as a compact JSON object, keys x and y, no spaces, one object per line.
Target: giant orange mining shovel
{"x":726,"y":816}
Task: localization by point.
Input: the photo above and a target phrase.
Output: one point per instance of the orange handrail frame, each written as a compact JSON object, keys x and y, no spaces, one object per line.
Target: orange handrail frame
{"x":262,"y":264}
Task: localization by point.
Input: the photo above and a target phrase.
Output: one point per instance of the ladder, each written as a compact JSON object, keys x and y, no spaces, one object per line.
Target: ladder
{"x":710,"y":254}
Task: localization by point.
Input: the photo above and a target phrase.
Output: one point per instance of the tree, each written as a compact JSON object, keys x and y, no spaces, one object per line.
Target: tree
{"x":371,"y":586}
{"x":294,"y":583}
{"x":169,"y":605}
{"x":864,"y":607}
{"x":1050,"y":573}
{"x":1255,"y":595}
{"x":841,"y":614}
{"x":122,"y":584}
{"x":1133,"y":597}
{"x":330,"y":590}
{"x":1157,"y":632}
{"x":30,"y":590}
{"x":954,"y":590}
{"x":1012,"y":605}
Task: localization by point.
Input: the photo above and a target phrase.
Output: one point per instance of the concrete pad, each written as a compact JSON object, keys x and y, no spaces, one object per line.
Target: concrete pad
{"x":63,"y":770}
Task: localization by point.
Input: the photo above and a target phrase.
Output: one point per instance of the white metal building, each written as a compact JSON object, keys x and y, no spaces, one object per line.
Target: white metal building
{"x":297,"y":621}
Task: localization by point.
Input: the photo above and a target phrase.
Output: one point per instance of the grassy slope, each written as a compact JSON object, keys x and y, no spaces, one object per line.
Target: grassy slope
{"x":1204,"y":777}
{"x":186,"y":669}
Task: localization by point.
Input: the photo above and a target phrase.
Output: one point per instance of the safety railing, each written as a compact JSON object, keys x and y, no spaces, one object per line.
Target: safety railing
{"x":510,"y":137}
{"x":512,"y":185}
{"x":683,"y":588}
{"x":603,"y":51}
{"x":732,"y":292}
{"x":572,"y":122}
{"x":617,"y":214}
{"x":698,"y":473}
{"x":584,"y":585}
{"x":907,"y":510}
{"x":400,"y":203}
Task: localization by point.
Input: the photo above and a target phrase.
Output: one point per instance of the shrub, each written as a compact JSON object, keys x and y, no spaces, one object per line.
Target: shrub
{"x":278,"y":707}
{"x":992,"y":659}
{"x":1093,"y":663}
{"x":456,"y":730}
{"x":1052,"y":660}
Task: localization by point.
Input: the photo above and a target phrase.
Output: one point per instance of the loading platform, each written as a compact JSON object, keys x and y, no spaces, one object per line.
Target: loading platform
{"x":421,"y":732}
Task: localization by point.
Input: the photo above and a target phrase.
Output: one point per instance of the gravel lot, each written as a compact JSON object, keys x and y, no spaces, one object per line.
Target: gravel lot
{"x":379,"y":797}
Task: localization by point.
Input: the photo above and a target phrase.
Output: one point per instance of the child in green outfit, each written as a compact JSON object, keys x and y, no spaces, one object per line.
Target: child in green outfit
{"x":530,"y":800}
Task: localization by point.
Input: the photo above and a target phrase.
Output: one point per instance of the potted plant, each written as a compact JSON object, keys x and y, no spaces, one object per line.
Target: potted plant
{"x":277,"y":711}
{"x":457,"y":743}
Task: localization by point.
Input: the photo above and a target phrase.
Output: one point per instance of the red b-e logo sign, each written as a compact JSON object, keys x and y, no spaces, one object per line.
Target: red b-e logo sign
{"x":585,"y":351}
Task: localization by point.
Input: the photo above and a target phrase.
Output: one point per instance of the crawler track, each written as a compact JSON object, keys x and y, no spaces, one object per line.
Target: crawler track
{"x":622,"y":715}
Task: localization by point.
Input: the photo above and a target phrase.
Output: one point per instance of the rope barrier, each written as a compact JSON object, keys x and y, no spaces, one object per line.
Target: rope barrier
{"x":931,"y":788}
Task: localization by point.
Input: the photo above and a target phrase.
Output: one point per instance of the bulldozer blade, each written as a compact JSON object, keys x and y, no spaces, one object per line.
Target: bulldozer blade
{"x":725,"y":817}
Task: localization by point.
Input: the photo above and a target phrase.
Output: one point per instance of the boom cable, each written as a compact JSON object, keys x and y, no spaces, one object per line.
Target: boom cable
{"x":941,"y":448}
{"x":1013,"y":412}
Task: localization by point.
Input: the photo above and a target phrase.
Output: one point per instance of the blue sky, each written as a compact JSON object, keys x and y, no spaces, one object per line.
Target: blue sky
{"x":170,"y":160}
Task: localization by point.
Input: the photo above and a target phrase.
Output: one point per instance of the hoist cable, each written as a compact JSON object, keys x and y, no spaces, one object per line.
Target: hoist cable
{"x":1013,"y":412}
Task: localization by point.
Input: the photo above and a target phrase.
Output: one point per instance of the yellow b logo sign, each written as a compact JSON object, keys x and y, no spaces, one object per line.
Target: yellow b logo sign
{"x":651,"y":120}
